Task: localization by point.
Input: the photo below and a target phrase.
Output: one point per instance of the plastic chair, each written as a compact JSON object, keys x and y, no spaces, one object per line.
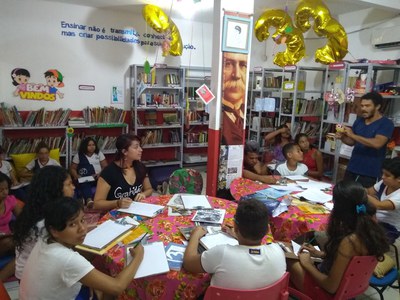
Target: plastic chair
{"x":276,"y":291}
{"x":185,"y":181}
{"x":355,"y":280}
{"x":380,"y":284}
{"x":3,"y":292}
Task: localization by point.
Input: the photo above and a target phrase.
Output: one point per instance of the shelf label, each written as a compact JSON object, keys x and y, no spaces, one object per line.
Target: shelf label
{"x":257,"y":69}
{"x":160,"y":66}
{"x":290,"y":68}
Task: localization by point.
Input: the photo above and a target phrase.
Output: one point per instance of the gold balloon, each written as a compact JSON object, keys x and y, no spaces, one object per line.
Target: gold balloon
{"x":160,"y":22}
{"x":285,"y":31}
{"x":324,"y":25}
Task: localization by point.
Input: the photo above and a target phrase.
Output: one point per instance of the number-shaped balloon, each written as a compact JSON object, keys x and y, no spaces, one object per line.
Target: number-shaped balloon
{"x":160,"y":22}
{"x":282,"y":22}
{"x":324,"y":25}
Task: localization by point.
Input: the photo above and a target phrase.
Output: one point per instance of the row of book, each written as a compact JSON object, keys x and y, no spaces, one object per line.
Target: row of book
{"x":103,"y":115}
{"x":18,"y":146}
{"x":303,"y":106}
{"x":9,"y":116}
{"x":105,"y":143}
{"x":157,"y":99}
{"x":158,"y":136}
{"x":197,"y":137}
{"x":309,"y":128}
{"x":195,"y":116}
{"x":262,"y":123}
{"x":151,"y":78}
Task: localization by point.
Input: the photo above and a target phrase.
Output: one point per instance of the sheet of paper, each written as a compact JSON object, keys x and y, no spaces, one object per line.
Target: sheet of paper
{"x":85,"y":179}
{"x":154,"y":260}
{"x":15,"y":187}
{"x":296,"y":247}
{"x":211,"y":240}
{"x":314,"y":195}
{"x":296,"y":177}
{"x":291,"y":187}
{"x":314,"y":184}
{"x":143,"y":209}
{"x":281,"y":208}
{"x":273,"y":193}
{"x":195,"y":202}
{"x":209,"y":216}
{"x":105,"y":233}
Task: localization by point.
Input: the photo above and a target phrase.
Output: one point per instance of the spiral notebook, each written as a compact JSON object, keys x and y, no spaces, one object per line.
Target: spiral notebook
{"x":143,"y":209}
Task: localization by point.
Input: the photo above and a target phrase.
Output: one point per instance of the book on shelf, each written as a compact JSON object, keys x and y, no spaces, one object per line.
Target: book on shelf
{"x":154,"y":260}
{"x":171,"y":118}
{"x":175,"y":253}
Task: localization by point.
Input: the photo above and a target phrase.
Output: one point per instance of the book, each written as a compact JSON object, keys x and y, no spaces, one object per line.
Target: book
{"x":105,"y":236}
{"x":174,"y":253}
{"x":195,"y":202}
{"x":209,"y":216}
{"x":143,"y":209}
{"x":154,"y":260}
{"x":186,"y":231}
{"x":270,"y":203}
{"x":211,"y":240}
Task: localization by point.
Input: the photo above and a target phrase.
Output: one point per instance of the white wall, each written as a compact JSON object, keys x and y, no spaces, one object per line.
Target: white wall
{"x":31,"y":38}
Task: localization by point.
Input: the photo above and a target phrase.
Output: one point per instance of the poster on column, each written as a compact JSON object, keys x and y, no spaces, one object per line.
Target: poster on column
{"x":231,"y":164}
{"x":233,"y":97}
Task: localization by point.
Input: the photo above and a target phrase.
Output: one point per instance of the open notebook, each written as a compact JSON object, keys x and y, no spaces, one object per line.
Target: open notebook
{"x":154,"y":260}
{"x":143,"y":209}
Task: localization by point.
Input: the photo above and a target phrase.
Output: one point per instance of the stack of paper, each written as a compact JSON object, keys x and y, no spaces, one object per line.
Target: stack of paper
{"x":314,"y":195}
{"x":154,"y":260}
{"x":143,"y":209}
{"x":211,"y":240}
{"x":195,"y":202}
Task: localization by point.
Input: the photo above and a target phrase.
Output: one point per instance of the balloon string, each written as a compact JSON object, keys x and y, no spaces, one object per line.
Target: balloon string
{"x":188,"y":79}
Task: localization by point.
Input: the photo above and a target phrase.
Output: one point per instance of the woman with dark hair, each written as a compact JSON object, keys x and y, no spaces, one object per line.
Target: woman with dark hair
{"x":352,"y":231}
{"x":55,"y":270}
{"x":125,"y":179}
{"x":89,"y":161}
{"x":279,"y":137}
{"x":312,"y":157}
{"x":48,"y":184}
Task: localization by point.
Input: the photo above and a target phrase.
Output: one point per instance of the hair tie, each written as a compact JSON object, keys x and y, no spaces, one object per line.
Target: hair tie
{"x":361,"y":208}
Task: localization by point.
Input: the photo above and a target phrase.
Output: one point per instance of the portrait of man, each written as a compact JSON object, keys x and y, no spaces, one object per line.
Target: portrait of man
{"x":233,"y":96}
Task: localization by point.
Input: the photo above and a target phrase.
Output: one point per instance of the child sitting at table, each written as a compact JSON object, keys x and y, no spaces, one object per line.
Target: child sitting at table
{"x":248,"y":265}
{"x":55,"y":270}
{"x":8,"y":208}
{"x":312,"y":157}
{"x":253,"y":168}
{"x":385,"y":196}
{"x":292,"y":165}
{"x":279,"y":137}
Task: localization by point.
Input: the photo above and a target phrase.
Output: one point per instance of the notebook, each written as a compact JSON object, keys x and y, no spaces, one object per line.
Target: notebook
{"x":174,"y":253}
{"x":105,"y":233}
{"x":154,"y":260}
{"x":195,"y":202}
{"x":211,"y":240}
{"x":143,"y":209}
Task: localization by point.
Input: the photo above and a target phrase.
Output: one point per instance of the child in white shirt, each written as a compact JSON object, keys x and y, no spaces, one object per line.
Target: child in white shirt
{"x":292,"y":165}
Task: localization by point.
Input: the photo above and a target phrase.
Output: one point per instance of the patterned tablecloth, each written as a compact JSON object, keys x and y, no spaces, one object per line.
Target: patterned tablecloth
{"x":174,"y":284}
{"x":288,"y":225}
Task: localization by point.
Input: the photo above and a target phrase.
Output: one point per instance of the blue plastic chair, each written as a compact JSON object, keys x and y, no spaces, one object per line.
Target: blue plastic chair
{"x":381,"y":284}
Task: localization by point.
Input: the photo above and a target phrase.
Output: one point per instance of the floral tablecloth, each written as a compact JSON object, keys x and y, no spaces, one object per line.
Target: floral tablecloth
{"x":174,"y":284}
{"x":288,"y":225}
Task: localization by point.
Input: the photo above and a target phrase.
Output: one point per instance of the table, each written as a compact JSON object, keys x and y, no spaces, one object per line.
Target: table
{"x":288,"y":225}
{"x":174,"y":284}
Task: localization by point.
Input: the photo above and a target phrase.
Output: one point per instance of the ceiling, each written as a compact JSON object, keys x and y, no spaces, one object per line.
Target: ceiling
{"x":204,"y":8}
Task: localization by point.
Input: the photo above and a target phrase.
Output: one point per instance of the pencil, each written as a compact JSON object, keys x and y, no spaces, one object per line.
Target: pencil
{"x":140,"y":240}
{"x":310,"y":241}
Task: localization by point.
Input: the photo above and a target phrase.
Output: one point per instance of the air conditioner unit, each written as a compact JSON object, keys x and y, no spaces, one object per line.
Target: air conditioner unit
{"x":386,"y":37}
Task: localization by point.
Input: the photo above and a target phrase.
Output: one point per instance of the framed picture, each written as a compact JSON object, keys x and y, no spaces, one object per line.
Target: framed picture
{"x":236,"y":34}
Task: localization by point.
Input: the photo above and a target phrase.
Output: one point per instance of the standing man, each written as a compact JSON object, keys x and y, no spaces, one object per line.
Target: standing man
{"x":233,"y":95}
{"x":369,"y":136}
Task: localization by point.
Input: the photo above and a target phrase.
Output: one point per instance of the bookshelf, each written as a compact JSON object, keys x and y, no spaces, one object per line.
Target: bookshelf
{"x":302,"y":100}
{"x":20,"y":132}
{"x":265,"y":94}
{"x":157,"y":113}
{"x":196,"y":117}
{"x":361,"y":78}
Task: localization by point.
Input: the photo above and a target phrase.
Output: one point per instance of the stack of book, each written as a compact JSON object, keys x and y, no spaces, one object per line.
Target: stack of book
{"x":10,"y":116}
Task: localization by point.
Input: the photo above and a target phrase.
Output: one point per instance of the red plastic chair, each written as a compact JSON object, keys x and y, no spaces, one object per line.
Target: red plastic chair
{"x":355,"y":280}
{"x":276,"y":291}
{"x":3,"y":292}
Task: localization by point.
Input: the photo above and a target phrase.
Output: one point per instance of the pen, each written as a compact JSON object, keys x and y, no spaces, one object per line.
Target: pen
{"x":140,"y":240}
{"x":310,"y":241}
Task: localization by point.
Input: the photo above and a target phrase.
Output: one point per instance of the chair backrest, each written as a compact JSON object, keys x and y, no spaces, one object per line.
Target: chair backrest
{"x":3,"y":292}
{"x":355,"y":279}
{"x":275,"y":291}
{"x":185,"y":181}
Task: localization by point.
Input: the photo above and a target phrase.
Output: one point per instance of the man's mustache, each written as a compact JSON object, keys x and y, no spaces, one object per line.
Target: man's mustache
{"x":234,"y":84}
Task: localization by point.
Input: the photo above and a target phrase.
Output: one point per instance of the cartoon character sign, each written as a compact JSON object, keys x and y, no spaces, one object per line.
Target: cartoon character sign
{"x":37,"y":91}
{"x":20,"y":78}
